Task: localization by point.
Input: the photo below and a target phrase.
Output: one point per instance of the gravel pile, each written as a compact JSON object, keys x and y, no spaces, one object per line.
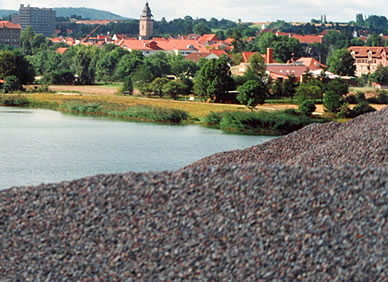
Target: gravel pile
{"x":362,"y":142}
{"x":246,"y":220}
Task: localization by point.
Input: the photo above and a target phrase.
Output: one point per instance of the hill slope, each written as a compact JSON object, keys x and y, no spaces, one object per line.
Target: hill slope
{"x":92,"y":14}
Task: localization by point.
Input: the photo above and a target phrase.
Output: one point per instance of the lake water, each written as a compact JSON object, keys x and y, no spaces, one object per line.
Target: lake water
{"x":43,"y":146}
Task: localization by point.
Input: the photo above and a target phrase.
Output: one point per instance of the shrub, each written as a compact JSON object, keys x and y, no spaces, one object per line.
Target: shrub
{"x":148,"y":113}
{"x":360,"y":97}
{"x":344,"y":111}
{"x":81,"y":108}
{"x":14,"y":101}
{"x":11,"y":83}
{"x":332,"y":101}
{"x":277,"y":123}
{"x":307,"y":108}
{"x":339,"y":86}
{"x":351,"y":99}
{"x":362,"y":108}
{"x":213,"y":118}
{"x":307,"y":92}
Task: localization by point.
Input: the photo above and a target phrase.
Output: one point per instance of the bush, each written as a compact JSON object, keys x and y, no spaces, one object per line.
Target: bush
{"x":351,"y":99}
{"x":81,"y":108}
{"x":339,"y":86}
{"x":148,"y":113}
{"x":360,"y":97}
{"x":344,"y":111}
{"x":332,"y":101}
{"x":12,"y":83}
{"x":362,"y":108}
{"x":307,"y":108}
{"x":14,"y":101}
{"x":276,"y":123}
{"x":213,"y":118}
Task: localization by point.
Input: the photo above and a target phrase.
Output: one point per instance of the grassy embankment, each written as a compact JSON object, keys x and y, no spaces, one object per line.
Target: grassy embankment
{"x":231,"y":118}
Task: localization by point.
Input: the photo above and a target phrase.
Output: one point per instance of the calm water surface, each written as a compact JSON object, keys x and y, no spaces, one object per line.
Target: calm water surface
{"x":42,"y":146}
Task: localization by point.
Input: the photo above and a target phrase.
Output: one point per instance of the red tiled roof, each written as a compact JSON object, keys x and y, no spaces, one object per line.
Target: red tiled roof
{"x":308,"y":39}
{"x":208,"y":37}
{"x":9,"y":25}
{"x":218,"y":52}
{"x":61,"y":50}
{"x":196,"y":56}
{"x":363,"y":51}
{"x":311,"y":63}
{"x":286,"y":69}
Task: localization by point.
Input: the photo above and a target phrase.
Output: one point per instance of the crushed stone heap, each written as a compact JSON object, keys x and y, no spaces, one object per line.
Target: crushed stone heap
{"x":310,"y":205}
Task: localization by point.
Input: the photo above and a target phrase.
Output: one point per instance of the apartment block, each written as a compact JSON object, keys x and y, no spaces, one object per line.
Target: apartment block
{"x":42,"y":20}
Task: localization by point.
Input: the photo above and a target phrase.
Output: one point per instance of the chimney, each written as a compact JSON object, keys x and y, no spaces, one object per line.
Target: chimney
{"x":268,"y":58}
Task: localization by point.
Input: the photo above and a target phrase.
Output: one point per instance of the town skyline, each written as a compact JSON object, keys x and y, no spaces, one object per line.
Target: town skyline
{"x":246,"y":10}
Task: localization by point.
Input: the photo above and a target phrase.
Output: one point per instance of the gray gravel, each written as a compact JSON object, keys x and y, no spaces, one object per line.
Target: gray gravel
{"x":298,"y":207}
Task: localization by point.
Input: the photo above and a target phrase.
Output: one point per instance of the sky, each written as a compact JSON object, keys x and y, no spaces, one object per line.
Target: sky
{"x":246,"y":10}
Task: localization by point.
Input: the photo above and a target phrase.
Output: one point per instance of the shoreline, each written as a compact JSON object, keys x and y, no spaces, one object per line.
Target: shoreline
{"x":140,"y":109}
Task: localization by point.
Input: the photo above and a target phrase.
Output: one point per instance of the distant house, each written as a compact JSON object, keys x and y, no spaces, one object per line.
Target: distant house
{"x":308,"y":39}
{"x":196,"y":56}
{"x":208,"y":39}
{"x":311,"y":63}
{"x":10,"y":33}
{"x":368,"y":58}
{"x":172,"y":46}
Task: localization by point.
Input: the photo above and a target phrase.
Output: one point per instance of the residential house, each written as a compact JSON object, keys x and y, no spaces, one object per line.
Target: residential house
{"x":311,"y":63}
{"x":368,"y":58}
{"x":10,"y":33}
{"x":196,"y":56}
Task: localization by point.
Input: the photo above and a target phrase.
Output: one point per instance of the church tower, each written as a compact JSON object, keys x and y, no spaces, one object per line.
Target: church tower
{"x":146,"y":27}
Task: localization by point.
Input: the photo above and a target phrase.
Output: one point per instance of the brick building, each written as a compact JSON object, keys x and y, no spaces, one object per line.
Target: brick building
{"x":42,"y":20}
{"x":10,"y":34}
{"x":367,"y":58}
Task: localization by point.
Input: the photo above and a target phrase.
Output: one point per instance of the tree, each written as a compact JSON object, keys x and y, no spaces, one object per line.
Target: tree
{"x":83,"y":65}
{"x":158,"y":84}
{"x":141,"y":77}
{"x":128,"y":64}
{"x":306,"y":92}
{"x":11,"y":83}
{"x":12,"y":63}
{"x":180,"y":67}
{"x":158,"y":64}
{"x":286,"y":48}
{"x":289,"y":86}
{"x":339,"y":86}
{"x":213,"y":80}
{"x":252,"y":93}
{"x":59,"y":77}
{"x":127,"y":87}
{"x":277,"y":88}
{"x":201,"y":28}
{"x":307,"y":108}
{"x":238,"y":42}
{"x":257,"y":65}
{"x":380,"y":75}
{"x":374,"y":40}
{"x":342,"y":63}
{"x":173,"y":88}
{"x":332,"y":101}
